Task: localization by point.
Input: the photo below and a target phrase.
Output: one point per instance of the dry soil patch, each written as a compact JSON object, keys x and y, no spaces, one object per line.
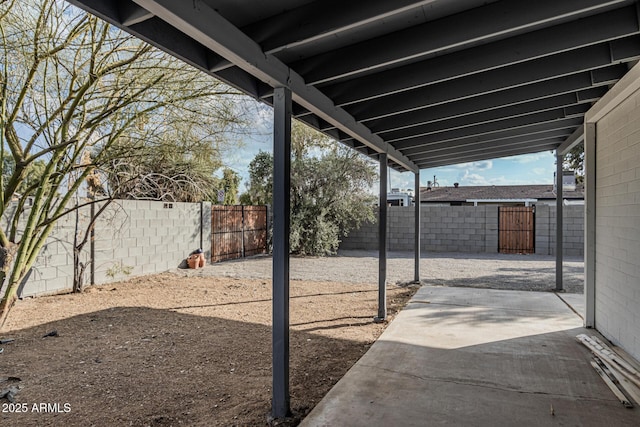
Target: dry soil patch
{"x":171,"y":350}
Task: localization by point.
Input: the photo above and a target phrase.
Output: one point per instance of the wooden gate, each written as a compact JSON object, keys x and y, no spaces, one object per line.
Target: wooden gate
{"x":516,"y":230}
{"x":238,"y":231}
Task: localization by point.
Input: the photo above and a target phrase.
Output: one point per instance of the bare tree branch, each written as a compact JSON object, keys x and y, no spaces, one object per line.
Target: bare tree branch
{"x":76,"y":88}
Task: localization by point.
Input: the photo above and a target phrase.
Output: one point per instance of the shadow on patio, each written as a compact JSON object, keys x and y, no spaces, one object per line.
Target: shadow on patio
{"x":475,"y":357}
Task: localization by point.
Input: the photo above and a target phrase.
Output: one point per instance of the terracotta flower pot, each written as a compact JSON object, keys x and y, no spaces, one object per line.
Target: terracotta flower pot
{"x":193,"y":261}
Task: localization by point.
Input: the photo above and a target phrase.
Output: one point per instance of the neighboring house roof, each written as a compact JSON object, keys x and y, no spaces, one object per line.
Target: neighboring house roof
{"x":494,"y":192}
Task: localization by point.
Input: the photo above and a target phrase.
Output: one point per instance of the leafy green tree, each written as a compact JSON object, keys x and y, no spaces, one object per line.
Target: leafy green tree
{"x":329,"y":190}
{"x":260,"y":191}
{"x":245,"y":199}
{"x":84,"y":101}
{"x":230,"y":183}
{"x":574,"y":160}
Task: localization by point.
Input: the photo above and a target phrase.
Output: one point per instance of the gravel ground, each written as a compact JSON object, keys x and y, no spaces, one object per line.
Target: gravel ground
{"x":496,"y":271}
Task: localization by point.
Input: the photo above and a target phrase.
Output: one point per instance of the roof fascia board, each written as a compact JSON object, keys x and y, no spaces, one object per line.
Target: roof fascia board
{"x":574,"y":139}
{"x":624,"y":88}
{"x":206,"y":26}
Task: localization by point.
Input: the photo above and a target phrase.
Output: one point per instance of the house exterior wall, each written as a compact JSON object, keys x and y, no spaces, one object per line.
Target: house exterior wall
{"x":617,"y":224}
{"x":466,"y":229}
{"x":132,"y":238}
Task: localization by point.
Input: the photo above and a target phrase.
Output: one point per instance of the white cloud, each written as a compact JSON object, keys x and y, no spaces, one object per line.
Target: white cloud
{"x":486,"y":165}
{"x":473,"y":179}
{"x":468,"y":178}
{"x":263,"y":119}
{"x":539,"y":171}
{"x":483,"y":165}
{"x":400,"y":180}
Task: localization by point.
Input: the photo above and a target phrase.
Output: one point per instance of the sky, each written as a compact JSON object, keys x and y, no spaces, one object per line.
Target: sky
{"x":516,"y":170}
{"x":536,"y":168}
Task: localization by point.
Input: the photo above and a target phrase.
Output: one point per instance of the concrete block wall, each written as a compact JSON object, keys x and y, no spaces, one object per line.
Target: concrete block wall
{"x":466,"y":229}
{"x":457,"y":228}
{"x":572,"y":230}
{"x":53,"y":269}
{"x":617,"y":239}
{"x":144,"y":237}
{"x":365,"y":237}
{"x":132,"y":238}
{"x":445,"y":229}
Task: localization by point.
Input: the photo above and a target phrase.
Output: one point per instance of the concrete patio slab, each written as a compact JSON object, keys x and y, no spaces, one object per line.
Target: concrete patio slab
{"x":475,"y":357}
{"x":576,"y":302}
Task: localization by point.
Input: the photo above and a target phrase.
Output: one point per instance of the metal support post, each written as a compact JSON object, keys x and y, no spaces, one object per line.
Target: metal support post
{"x":559,"y":231}
{"x":382,"y":242}
{"x":416,"y":242}
{"x":281,"y":218}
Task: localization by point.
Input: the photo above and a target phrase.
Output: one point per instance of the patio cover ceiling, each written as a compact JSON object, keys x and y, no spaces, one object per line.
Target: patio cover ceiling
{"x":430,"y":83}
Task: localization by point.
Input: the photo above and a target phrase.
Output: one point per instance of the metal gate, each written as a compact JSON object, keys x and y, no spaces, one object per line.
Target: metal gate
{"x":516,"y":230}
{"x":238,"y":231}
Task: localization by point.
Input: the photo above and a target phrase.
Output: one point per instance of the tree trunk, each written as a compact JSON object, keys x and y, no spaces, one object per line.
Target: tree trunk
{"x":7,"y":303}
{"x":10,"y":296}
{"x":78,"y":272}
{"x":80,"y":267}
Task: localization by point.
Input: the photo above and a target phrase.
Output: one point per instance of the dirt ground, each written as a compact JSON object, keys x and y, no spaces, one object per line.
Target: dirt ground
{"x":169,"y":350}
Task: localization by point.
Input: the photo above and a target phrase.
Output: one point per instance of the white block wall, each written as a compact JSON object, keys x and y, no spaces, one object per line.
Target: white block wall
{"x":133,"y":238}
{"x":617,"y":260}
